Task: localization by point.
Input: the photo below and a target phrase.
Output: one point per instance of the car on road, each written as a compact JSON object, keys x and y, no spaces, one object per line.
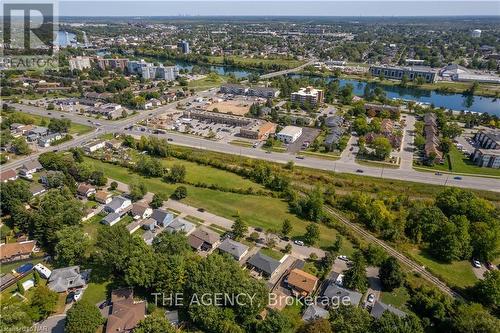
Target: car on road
{"x":438,"y":173}
{"x":476,"y":263}
{"x":300,"y":157}
{"x":298,"y":242}
{"x":89,"y":120}
{"x":78,"y":294}
{"x":201,"y":210}
{"x":97,"y":124}
{"x":255,"y":145}
{"x":268,"y":152}
{"x":370,"y":298}
{"x":457,"y":178}
{"x":170,"y":139}
{"x":351,"y":149}
{"x":49,"y":113}
{"x":62,"y":116}
{"x":359,"y":171}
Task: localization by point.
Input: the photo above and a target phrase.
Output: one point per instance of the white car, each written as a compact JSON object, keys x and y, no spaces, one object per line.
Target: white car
{"x":476,"y":263}
{"x":298,"y":242}
{"x":371,"y":298}
{"x":344,"y":258}
{"x":77,"y":295}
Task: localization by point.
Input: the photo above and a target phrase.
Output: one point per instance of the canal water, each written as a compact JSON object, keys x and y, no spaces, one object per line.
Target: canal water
{"x":452,"y":101}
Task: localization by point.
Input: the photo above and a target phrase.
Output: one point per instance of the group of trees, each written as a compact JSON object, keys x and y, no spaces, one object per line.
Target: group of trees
{"x":456,"y":226}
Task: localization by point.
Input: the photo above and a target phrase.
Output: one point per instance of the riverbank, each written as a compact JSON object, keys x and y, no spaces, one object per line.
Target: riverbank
{"x":450,"y":87}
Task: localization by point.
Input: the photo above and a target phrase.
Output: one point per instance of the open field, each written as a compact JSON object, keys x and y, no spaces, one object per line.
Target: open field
{"x":461,"y":164}
{"x":206,"y":83}
{"x":256,"y":211}
{"x":235,"y":107}
{"x":78,"y":129}
{"x":457,"y":273}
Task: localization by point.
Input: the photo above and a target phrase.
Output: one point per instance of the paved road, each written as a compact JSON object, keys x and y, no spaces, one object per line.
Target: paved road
{"x":343,"y":165}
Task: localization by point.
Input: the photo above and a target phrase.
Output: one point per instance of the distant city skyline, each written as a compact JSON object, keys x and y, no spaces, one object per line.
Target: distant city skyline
{"x":278,"y":8}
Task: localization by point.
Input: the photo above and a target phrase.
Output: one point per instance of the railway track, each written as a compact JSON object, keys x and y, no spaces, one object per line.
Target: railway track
{"x":399,"y":256}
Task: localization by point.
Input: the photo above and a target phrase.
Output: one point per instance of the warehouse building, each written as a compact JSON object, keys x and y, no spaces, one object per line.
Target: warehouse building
{"x":397,"y":73}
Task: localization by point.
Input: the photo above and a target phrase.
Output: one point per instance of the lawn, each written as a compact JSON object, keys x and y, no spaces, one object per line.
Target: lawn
{"x":271,"y":253}
{"x":398,"y":297}
{"x":256,"y":211}
{"x":326,"y":156}
{"x":241,"y":143}
{"x":96,"y":292}
{"x":461,"y":164}
{"x":457,"y":273}
{"x":206,"y":83}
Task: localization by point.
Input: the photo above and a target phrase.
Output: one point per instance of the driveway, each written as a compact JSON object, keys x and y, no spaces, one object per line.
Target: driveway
{"x":349,"y":153}
{"x":54,"y":324}
{"x":479,"y":272}
{"x":407,"y":146}
{"x":375,"y":286}
{"x":308,"y":134}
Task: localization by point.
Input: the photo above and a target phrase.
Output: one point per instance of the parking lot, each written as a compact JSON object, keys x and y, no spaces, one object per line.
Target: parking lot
{"x":308,"y":135}
{"x":208,"y":129}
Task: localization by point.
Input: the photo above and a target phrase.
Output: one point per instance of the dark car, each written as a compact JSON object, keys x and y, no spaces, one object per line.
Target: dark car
{"x":300,"y":157}
{"x":438,"y":174}
{"x":457,"y":178}
{"x":201,"y":209}
{"x":359,"y":171}
{"x":170,"y":139}
{"x":70,"y":297}
{"x":49,"y":113}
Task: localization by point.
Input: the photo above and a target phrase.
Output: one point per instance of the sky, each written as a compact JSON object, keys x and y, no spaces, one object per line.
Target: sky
{"x":278,"y":8}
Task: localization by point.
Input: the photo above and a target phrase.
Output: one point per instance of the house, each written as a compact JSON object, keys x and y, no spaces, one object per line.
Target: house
{"x":149,"y":224}
{"x":38,"y":131}
{"x":85,"y":190}
{"x":46,"y":141}
{"x":10,"y":252}
{"x":162,"y":217}
{"x":203,"y":239}
{"x":172,"y":317}
{"x":148,"y":237}
{"x":180,"y":225}
{"x":125,"y":312}
{"x":113,"y":144}
{"x":133,"y":226}
{"x":333,"y":291}
{"x":263,"y":264}
{"x":140,"y":211}
{"x":117,"y":205}
{"x":37,"y":189}
{"x":379,"y":308}
{"x":302,"y":283}
{"x":30,"y":168}
{"x":67,"y":279}
{"x":47,"y":176}
{"x":103,"y":197}
{"x":7,"y":175}
{"x":111,"y":219}
{"x":233,"y":248}
{"x":313,"y":312}
{"x":93,"y":146}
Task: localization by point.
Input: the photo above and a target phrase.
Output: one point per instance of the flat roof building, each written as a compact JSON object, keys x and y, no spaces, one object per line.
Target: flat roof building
{"x":397,"y":73}
{"x":289,"y":134}
{"x":308,"y":95}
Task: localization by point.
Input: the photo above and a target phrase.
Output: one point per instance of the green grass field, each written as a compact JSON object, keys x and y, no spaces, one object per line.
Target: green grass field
{"x":275,"y":254}
{"x":457,"y":273}
{"x":206,"y":83}
{"x":256,"y":211}
{"x":398,"y":297}
{"x":461,"y":164}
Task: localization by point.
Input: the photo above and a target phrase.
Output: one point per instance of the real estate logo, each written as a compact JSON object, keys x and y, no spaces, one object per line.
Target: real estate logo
{"x":29,"y":35}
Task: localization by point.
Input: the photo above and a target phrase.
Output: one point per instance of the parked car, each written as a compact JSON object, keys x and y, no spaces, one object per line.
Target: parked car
{"x":298,"y":242}
{"x":371,"y":298}
{"x":77,"y":295}
{"x":201,"y":209}
{"x":70,"y":297}
{"x":343,"y":258}
{"x":476,"y":263}
{"x":490,"y":266}
{"x":103,"y":304}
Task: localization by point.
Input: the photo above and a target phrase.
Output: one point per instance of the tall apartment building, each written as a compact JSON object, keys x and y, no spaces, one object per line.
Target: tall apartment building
{"x":111,"y":63}
{"x":79,"y":63}
{"x":168,"y":73}
{"x":308,"y":95}
{"x":183,"y":45}
{"x":135,"y":67}
{"x":397,"y":73}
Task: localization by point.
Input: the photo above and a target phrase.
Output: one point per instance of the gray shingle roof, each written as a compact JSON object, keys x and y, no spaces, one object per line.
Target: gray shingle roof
{"x":160,"y":215}
{"x":180,"y":225}
{"x":264,"y":263}
{"x":116,"y":203}
{"x":234,"y":248}
{"x":314,"y":311}
{"x":66,"y":278}
{"x":334,"y":290}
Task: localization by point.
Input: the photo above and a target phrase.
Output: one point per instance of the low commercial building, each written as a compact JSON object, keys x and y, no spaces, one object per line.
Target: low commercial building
{"x":397,"y":73}
{"x":94,"y":145}
{"x":258,"y":130}
{"x":489,"y":158}
{"x":234,"y":89}
{"x":468,"y":77}
{"x":289,"y":134}
{"x":308,"y":95}
{"x":264,"y":92}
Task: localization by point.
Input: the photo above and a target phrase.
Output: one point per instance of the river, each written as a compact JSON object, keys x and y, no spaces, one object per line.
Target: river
{"x":452,"y":101}
{"x":65,"y":38}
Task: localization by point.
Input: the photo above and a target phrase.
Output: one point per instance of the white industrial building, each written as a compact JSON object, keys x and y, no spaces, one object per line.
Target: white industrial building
{"x":476,"y":33}
{"x":289,"y":134}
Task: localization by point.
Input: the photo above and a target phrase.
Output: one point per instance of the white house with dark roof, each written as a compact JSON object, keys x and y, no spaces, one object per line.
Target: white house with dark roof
{"x":30,"y":168}
{"x":162,"y":217}
{"x":118,"y":205}
{"x":111,"y":219}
